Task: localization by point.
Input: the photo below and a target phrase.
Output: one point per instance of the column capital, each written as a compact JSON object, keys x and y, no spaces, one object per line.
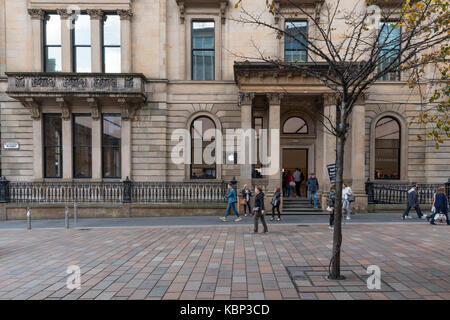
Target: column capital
{"x":330,"y":99}
{"x":95,"y":14}
{"x":36,"y":14}
{"x":65,"y":108}
{"x":274,"y":98}
{"x":125,"y":14}
{"x":94,"y":105}
{"x":33,"y":107}
{"x":246,"y":98}
{"x":361,"y":99}
{"x":64,"y":13}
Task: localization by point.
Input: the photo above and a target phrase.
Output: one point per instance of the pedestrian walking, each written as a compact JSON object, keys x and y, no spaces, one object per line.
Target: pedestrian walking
{"x":298,"y":178}
{"x":246,"y":195}
{"x":259,"y":210}
{"x":346,"y":194}
{"x":232,"y":199}
{"x":331,"y":198}
{"x":313,"y":187}
{"x":413,"y":202}
{"x":289,"y":184}
{"x":440,"y":205}
{"x":276,"y":204}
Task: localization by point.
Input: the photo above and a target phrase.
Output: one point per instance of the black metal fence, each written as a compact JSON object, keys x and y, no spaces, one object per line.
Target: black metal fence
{"x":126,"y":191}
{"x":383,"y":193}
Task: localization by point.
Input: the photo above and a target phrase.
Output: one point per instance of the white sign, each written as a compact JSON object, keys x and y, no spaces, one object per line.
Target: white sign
{"x":11,"y":145}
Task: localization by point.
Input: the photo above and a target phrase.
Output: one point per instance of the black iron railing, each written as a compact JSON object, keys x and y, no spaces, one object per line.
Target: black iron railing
{"x":113,"y":192}
{"x":383,"y":193}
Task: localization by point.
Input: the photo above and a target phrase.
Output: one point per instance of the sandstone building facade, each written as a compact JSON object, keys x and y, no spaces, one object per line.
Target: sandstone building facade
{"x":99,"y":102}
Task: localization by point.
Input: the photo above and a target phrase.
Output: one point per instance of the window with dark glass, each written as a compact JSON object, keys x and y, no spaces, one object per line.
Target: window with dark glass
{"x":258,"y":124}
{"x":389,"y":43}
{"x":295,"y":125}
{"x":82,"y":146}
{"x":52,"y":43}
{"x":295,"y":45}
{"x":200,"y":168}
{"x":111,"y":138}
{"x":111,"y":43}
{"x":82,"y":44}
{"x":202,"y":50}
{"x":52,"y":145}
{"x":387,"y":149}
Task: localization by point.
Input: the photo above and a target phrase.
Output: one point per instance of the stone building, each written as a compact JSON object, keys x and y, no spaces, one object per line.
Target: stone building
{"x":97,"y":101}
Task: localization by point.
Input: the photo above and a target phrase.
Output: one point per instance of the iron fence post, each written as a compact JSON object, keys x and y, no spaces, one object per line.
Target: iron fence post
{"x":4,"y":190}
{"x":126,"y":190}
{"x":369,"y":190}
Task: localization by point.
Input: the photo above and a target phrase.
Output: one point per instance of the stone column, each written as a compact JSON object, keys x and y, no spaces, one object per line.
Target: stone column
{"x":67,"y":138}
{"x":96,"y":39}
{"x":127,"y":112}
{"x":245,"y":102}
{"x":125,"y":39}
{"x":66,"y":40}
{"x":37,"y":25}
{"x":358,"y":157}
{"x":274,"y":100}
{"x":96,"y":139}
{"x":38,"y":149}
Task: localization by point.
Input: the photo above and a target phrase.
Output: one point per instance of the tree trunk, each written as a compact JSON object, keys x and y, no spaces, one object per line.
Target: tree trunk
{"x":335,"y":272}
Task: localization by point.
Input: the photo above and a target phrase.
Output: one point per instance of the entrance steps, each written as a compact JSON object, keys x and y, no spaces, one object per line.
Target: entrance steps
{"x":300,"y":206}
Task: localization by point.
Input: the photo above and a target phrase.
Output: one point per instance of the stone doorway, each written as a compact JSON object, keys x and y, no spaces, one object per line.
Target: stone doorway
{"x":293,"y":158}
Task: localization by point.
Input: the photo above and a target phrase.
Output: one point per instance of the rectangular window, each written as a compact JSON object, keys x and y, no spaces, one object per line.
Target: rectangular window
{"x":389,"y":43}
{"x":111,"y":138}
{"x":52,"y":43}
{"x":295,"y":46}
{"x":82,"y":146}
{"x":82,"y":44}
{"x":52,"y":145}
{"x":111,"y":44}
{"x":202,"y":50}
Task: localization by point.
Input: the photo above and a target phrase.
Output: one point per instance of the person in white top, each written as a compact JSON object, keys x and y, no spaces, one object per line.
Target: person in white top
{"x":346,"y":191}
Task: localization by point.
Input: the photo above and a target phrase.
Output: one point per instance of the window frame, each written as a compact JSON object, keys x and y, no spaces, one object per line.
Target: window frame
{"x":213,"y":50}
{"x":110,"y":146}
{"x":399,"y":148}
{"x":75,"y":46}
{"x":109,"y":45}
{"x":191,"y":177}
{"x":87,"y":115}
{"x":296,"y":133}
{"x":398,"y":72}
{"x":295,"y":50}
{"x":45,"y":46}
{"x":44,"y":146}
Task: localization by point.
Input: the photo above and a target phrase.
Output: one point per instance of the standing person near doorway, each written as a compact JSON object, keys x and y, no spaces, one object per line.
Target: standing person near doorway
{"x":298,"y":177}
{"x":313,"y":186}
{"x":413,"y":202}
{"x":289,"y":182}
{"x":259,"y":210}
{"x":276,"y":204}
{"x":246,"y":195}
{"x":232,"y":199}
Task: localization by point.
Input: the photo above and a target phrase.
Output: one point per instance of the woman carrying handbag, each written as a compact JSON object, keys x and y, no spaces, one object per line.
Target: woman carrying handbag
{"x":245,"y":200}
{"x":276,"y":204}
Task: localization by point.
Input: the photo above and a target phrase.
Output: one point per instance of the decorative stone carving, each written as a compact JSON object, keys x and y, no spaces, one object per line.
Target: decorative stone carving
{"x":65,"y":109}
{"x":95,"y":14}
{"x":223,"y":8}
{"x":128,"y":82}
{"x":64,"y":13}
{"x":95,"y":112}
{"x":20,"y":81}
{"x":104,"y":82}
{"x":246,"y":98}
{"x":33,"y":107}
{"x":43,"y":82}
{"x":36,"y":14}
{"x":180,"y":4}
{"x":125,"y":14}
{"x":74,"y":82}
{"x":274,"y":98}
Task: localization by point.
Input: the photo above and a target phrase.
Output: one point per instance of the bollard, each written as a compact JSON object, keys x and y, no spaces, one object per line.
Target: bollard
{"x":75,"y":214}
{"x":28,"y":219}
{"x":66,"y":218}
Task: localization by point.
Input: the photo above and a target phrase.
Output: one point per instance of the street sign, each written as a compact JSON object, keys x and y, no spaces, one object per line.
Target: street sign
{"x":11,"y":146}
{"x":332,"y":172}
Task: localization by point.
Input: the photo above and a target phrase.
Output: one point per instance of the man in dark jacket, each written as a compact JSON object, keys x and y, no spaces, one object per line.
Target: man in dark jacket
{"x":413,"y":202}
{"x":259,"y":209}
{"x":313,"y":187}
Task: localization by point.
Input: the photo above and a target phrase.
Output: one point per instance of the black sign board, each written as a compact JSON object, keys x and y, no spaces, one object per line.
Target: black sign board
{"x":332,"y":172}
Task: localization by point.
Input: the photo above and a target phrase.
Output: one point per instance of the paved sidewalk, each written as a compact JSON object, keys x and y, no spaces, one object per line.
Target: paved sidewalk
{"x":225,"y":262}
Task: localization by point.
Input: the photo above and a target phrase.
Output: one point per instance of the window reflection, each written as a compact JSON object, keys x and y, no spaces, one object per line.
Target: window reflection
{"x":200,"y":169}
{"x":389,"y":42}
{"x":295,"y":125}
{"x":52,"y":145}
{"x":111,"y":138}
{"x":202,"y":50}
{"x":52,"y":43}
{"x":82,"y":146}
{"x":295,"y":46}
{"x":111,"y":44}
{"x":82,"y":44}
{"x":387,"y":149}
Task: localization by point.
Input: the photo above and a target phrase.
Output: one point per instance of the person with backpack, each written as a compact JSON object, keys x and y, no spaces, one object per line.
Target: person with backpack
{"x":259,"y":210}
{"x":298,"y":178}
{"x":246,"y":195}
{"x":313,"y":187}
{"x":413,"y":202}
{"x":289,"y":184}
{"x":440,"y":205}
{"x":331,"y":198}
{"x":232,"y":199}
{"x":346,"y":199}
{"x":276,"y":204}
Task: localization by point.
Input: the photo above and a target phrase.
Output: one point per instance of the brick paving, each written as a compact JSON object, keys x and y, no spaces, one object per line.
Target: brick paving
{"x":289,"y":262}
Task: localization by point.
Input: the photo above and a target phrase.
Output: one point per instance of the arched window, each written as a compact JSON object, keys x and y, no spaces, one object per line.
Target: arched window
{"x":387,"y":149}
{"x":201,"y":166}
{"x":295,"y":125}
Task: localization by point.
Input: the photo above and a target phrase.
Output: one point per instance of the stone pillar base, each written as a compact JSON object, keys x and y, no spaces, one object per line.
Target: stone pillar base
{"x":361,"y":203}
{"x":2,"y":211}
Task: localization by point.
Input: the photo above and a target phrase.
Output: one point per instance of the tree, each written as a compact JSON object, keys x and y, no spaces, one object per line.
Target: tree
{"x":350,"y":50}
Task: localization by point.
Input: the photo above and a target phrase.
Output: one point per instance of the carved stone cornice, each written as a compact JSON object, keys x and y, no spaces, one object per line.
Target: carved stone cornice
{"x":127,"y":109}
{"x":33,"y":107}
{"x":125,"y":14}
{"x":220,"y":4}
{"x":64,"y":14}
{"x":246,"y":98}
{"x":95,"y":108}
{"x":65,"y":108}
{"x":95,"y":14}
{"x":36,"y":14}
{"x":330,"y":99}
{"x":274,"y":98}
